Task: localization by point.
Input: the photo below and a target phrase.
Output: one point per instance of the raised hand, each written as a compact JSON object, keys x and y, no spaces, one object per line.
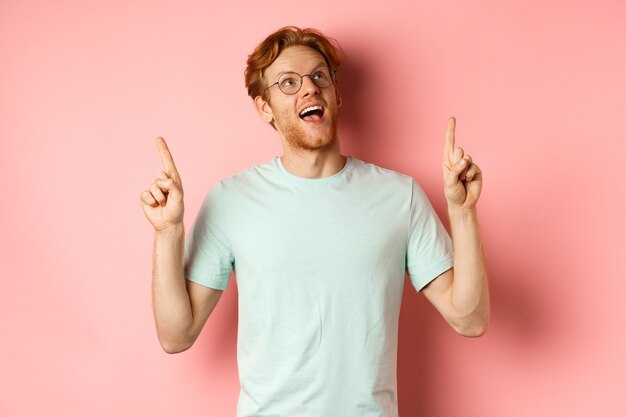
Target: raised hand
{"x":462,"y":178}
{"x":162,"y":203}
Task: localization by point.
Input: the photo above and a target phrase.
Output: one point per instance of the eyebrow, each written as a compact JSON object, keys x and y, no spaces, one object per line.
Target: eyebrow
{"x":320,"y":64}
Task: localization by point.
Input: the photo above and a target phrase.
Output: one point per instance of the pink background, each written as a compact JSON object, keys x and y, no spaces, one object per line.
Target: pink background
{"x":538,"y":89}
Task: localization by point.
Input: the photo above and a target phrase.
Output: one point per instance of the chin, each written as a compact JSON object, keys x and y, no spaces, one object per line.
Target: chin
{"x":299,"y":136}
{"x":310,"y":143}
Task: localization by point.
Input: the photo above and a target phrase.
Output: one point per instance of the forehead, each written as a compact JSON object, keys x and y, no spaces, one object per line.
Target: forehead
{"x":300,"y":59}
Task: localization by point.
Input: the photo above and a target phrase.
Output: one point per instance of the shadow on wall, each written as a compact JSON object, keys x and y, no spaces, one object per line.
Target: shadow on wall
{"x":372,"y":123}
{"x":520,"y":327}
{"x":217,"y":346}
{"x":356,"y":118}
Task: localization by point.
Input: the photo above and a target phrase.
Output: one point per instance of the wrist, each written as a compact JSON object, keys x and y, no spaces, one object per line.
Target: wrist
{"x":460,"y":212}
{"x":173,"y":230}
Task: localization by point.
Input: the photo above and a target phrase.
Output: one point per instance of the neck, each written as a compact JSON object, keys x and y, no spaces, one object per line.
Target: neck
{"x":317,"y":163}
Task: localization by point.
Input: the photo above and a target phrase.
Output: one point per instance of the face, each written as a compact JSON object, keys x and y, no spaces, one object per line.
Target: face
{"x":309,"y":133}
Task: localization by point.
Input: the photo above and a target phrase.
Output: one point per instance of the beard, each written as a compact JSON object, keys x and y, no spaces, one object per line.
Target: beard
{"x":297,"y":137}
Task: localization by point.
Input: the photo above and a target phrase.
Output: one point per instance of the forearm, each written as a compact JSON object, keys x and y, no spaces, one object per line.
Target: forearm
{"x":170,"y":300}
{"x":470,"y":289}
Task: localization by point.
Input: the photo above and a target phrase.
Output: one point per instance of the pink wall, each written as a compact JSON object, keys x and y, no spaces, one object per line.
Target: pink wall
{"x":538,"y":90}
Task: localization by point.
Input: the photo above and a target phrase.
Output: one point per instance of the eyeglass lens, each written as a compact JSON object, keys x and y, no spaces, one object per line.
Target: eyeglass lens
{"x":290,"y":82}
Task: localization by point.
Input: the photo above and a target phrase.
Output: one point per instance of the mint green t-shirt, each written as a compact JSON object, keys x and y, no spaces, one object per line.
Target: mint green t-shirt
{"x":319,"y":266}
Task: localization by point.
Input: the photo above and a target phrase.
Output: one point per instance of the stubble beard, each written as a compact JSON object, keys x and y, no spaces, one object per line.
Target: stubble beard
{"x":297,"y":138}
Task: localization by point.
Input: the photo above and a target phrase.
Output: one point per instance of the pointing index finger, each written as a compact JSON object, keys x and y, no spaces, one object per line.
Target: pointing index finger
{"x":167,"y":159}
{"x":449,"y":145}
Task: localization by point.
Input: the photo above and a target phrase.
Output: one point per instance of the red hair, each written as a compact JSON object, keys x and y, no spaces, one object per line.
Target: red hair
{"x":267,"y":51}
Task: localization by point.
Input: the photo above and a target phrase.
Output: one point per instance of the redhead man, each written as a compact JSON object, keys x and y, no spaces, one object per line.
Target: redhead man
{"x":319,"y":243}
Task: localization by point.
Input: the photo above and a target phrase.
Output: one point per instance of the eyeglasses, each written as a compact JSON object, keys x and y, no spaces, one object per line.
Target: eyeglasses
{"x":291,"y":82}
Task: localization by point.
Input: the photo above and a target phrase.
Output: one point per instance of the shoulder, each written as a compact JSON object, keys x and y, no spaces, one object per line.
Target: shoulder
{"x":391,"y":183}
{"x":250,"y":182}
{"x":376,"y":173}
{"x":253,"y":174}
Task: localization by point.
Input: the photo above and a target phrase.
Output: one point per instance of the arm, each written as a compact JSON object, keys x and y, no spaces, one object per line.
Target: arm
{"x":180,"y":307}
{"x":461,"y":294}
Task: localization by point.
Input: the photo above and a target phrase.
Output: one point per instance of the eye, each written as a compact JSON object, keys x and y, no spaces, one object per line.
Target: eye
{"x":319,"y":75}
{"x":288,"y":82}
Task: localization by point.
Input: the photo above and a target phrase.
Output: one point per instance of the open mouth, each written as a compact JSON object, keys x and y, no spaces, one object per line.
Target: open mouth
{"x":312,"y":113}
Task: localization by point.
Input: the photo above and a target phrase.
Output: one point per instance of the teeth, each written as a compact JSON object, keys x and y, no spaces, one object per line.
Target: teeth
{"x":308,"y":109}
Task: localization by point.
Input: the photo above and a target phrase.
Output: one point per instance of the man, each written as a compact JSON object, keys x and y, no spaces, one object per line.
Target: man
{"x":319,"y":243}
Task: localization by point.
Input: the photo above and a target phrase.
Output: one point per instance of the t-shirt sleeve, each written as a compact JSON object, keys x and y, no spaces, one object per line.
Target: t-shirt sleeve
{"x":208,"y":258}
{"x":429,"y":246}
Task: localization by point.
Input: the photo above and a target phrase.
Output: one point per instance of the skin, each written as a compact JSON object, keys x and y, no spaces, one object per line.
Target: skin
{"x":181,"y":307}
{"x":461,"y":294}
{"x":310,"y":150}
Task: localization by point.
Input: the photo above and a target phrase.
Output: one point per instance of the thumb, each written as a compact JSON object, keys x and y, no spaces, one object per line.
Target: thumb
{"x":456,"y":170}
{"x":167,"y":185}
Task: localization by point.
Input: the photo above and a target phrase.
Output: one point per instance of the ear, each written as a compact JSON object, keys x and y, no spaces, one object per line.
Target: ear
{"x":338,"y":96}
{"x":264,"y":109}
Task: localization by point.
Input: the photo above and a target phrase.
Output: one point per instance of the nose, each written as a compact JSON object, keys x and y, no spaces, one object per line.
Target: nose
{"x":308,"y":87}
